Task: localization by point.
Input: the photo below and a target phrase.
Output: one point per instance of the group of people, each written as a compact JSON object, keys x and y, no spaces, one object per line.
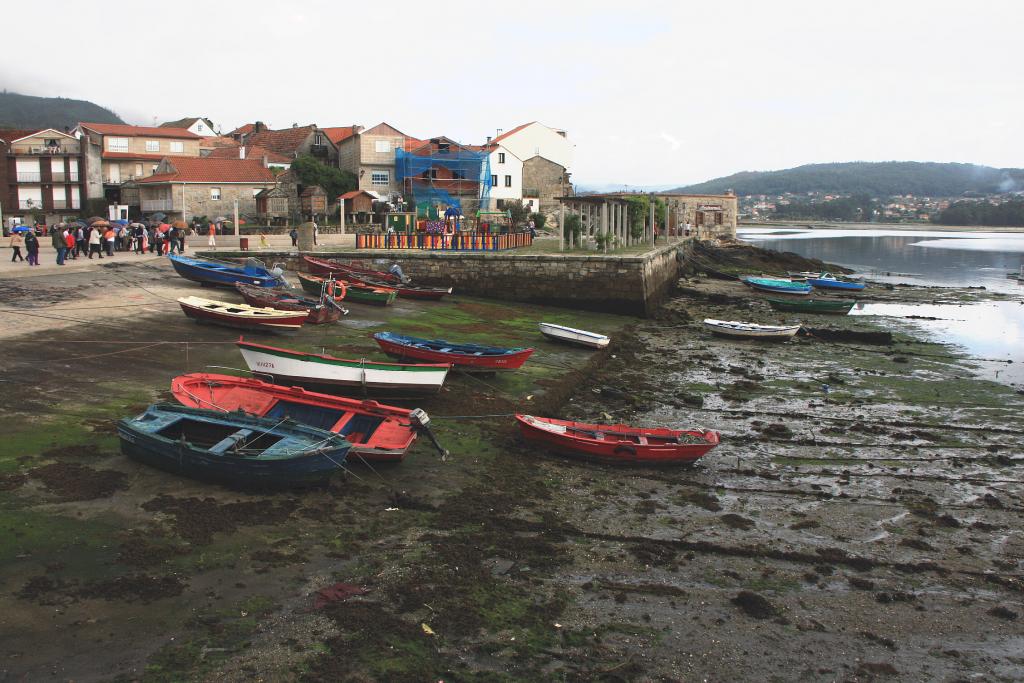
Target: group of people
{"x":72,"y":241}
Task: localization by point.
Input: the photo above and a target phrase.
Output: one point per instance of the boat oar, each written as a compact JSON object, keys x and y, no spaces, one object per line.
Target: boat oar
{"x":421,"y":423}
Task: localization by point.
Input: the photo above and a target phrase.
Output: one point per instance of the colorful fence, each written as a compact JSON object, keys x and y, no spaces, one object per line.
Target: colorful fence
{"x":463,"y":241}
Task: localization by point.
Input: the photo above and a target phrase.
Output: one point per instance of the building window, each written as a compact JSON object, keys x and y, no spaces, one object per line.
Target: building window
{"x":199,"y":128}
{"x":382,"y":146}
{"x":380,"y":178}
{"x":152,"y":145}
{"x":117,"y":144}
{"x":215,"y":194}
{"x":443,"y":147}
{"x":494,"y":181}
{"x":508,"y":181}
{"x":177,"y":147}
{"x":501,"y":157}
{"x":138,"y":170}
{"x":318,"y":140}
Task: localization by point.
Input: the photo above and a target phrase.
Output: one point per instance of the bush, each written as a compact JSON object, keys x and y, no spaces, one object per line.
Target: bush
{"x":573,"y":228}
{"x":539,"y":220}
{"x":518,"y":213}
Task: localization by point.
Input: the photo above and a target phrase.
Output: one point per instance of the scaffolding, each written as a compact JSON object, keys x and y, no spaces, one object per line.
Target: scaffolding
{"x":441,"y":173}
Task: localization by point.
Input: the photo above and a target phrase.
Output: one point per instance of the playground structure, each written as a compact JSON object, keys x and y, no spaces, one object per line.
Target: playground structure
{"x":445,"y":179}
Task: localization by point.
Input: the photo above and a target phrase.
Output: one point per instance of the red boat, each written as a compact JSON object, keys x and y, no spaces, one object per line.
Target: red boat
{"x":466,"y":357}
{"x":620,"y":444}
{"x":319,"y":266}
{"x":242,"y":316}
{"x":404,"y":291}
{"x":377,"y":432}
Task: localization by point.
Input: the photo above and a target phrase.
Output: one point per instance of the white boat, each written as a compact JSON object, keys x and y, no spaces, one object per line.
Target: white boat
{"x":571,"y":335}
{"x":733,"y":328}
{"x":327,"y":374}
{"x":242,"y":316}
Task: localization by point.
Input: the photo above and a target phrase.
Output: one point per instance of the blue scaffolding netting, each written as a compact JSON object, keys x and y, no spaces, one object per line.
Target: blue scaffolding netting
{"x":444,"y":174}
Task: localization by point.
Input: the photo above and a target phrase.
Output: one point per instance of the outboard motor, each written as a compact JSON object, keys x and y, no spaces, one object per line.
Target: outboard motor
{"x":396,"y":270}
{"x":278,"y":272}
{"x":421,"y":422}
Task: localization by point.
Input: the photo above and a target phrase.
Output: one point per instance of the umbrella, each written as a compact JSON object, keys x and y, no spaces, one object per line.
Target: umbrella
{"x":220,"y":219}
{"x":164,"y":227}
{"x":93,"y":219}
{"x":136,"y":225}
{"x":79,"y":223}
{"x":120,"y":221}
{"x":158,"y":216}
{"x":180,"y":224}
{"x":100,"y":224}
{"x":22,"y":228}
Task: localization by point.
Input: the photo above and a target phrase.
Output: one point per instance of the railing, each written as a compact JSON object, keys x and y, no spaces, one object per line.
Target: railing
{"x":30,"y":204}
{"x":60,"y":203}
{"x":58,"y":177}
{"x":48,"y":150}
{"x":158,"y":205}
{"x":29,"y":177}
{"x":462,"y":241}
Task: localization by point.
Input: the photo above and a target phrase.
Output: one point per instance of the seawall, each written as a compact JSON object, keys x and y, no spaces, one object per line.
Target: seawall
{"x":631,"y":285}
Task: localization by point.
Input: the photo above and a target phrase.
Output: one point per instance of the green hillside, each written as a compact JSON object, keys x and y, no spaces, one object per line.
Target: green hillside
{"x":27,"y":111}
{"x":875,"y":179}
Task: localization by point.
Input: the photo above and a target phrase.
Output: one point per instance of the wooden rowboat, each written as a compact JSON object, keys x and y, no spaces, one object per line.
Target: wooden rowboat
{"x":232,"y":448}
{"x":330,"y":375}
{"x":213,"y":272}
{"x":571,"y":335}
{"x":283,"y":299}
{"x":404,"y":291}
{"x":318,"y":266}
{"x":349,"y":291}
{"x":377,"y":432}
{"x":828,"y":281}
{"x":242,"y":316}
{"x":732,"y":328}
{"x":838,"y":307}
{"x":766,"y":284}
{"x":620,"y":444}
{"x":466,"y":357}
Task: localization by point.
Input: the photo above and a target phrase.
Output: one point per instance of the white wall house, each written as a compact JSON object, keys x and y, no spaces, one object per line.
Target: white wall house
{"x":536,"y":139}
{"x":506,"y":174}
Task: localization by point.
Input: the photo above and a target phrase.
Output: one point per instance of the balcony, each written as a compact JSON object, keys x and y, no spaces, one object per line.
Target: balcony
{"x":149,"y":205}
{"x":29,"y":176}
{"x":60,"y":203}
{"x":30,"y":204}
{"x":64,"y":177}
{"x":66,"y":149}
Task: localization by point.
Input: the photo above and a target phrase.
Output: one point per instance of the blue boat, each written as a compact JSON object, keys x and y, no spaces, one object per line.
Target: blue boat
{"x":828,"y":281}
{"x":212,"y":272}
{"x":766,"y":284}
{"x":234,"y":448}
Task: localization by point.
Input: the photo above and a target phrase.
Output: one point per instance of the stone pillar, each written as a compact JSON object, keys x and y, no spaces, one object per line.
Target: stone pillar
{"x":654,"y":211}
{"x":306,"y":237}
{"x":605,"y":227}
{"x":625,"y":220}
{"x":561,"y":226}
{"x":341,"y":217}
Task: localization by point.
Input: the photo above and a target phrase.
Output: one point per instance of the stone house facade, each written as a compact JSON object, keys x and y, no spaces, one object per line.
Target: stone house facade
{"x":545,"y":181}
{"x":370,"y":155}
{"x":294,"y":142}
{"x":185,"y":188}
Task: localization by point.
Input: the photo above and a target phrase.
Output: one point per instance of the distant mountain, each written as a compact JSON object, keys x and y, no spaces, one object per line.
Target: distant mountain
{"x":876,"y":179}
{"x":589,"y":188}
{"x":27,"y":111}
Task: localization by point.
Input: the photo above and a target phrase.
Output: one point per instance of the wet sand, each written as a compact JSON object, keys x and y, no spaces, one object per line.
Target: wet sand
{"x":871,"y":532}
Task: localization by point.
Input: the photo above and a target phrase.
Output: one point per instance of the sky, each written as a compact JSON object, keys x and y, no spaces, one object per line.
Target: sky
{"x":650,"y":93}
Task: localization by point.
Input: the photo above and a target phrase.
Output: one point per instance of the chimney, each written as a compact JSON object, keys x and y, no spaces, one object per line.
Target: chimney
{"x":241,"y":152}
{"x":258,"y":127}
{"x":488,"y":139}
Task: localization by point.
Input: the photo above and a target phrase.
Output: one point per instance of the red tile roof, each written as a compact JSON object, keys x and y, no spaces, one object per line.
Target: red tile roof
{"x":9,"y":135}
{"x":243,"y":129}
{"x":213,"y":142}
{"x":512,"y":132}
{"x":285,"y":141}
{"x":131,"y":155}
{"x":139,"y":131}
{"x":211,"y":170}
{"x":251,"y":152}
{"x":338,"y":133}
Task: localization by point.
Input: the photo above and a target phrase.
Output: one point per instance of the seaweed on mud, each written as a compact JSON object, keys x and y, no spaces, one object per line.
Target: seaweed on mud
{"x":74,"y":482}
{"x":755,"y":605}
{"x":198,"y":519}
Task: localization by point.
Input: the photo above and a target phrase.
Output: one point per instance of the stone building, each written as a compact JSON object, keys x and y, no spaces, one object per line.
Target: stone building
{"x":709,"y":215}
{"x":370,"y":155}
{"x":544,"y":181}
{"x":294,"y":142}
{"x":313,"y":201}
{"x":121,"y":153}
{"x":272,"y":205}
{"x":188,"y":187}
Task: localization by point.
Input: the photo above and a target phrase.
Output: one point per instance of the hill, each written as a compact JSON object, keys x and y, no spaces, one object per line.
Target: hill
{"x":28,"y":111}
{"x":875,"y":179}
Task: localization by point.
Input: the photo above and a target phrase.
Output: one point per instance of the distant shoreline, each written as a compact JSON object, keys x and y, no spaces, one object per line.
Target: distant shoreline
{"x":816,"y":225}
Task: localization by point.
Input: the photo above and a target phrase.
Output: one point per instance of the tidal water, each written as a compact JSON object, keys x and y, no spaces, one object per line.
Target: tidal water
{"x":991,"y":332}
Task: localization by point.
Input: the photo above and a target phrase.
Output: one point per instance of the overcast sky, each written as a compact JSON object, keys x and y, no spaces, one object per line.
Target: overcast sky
{"x":651,"y":93}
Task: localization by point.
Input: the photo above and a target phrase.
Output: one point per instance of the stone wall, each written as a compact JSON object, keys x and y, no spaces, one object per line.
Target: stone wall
{"x":550,"y":180}
{"x":631,"y":285}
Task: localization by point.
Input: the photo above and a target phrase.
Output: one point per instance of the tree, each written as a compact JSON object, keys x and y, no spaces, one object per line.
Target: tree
{"x":311,"y":171}
{"x":573,"y":228}
{"x":517,"y":211}
{"x":539,"y":220}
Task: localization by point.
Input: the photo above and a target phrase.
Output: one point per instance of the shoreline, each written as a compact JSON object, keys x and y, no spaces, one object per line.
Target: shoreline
{"x":909,"y":227}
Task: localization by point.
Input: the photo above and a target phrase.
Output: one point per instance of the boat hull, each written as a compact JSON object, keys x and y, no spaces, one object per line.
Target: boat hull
{"x":778,"y":286}
{"x":286,"y":321}
{"x":214,"y":273}
{"x":354,"y":292}
{"x":737,"y":330}
{"x":826,"y":283}
{"x":331,"y":375}
{"x":569,"y":335}
{"x":329,"y":267}
{"x":468,"y":362}
{"x":377,"y":432}
{"x":319,"y":314}
{"x":618,"y":444}
{"x":812,"y":306}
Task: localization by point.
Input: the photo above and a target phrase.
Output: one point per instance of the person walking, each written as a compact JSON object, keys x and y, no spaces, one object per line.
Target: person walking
{"x":17,"y":242}
{"x":108,"y":238}
{"x":69,"y":242}
{"x":156,"y":245}
{"x":94,"y":242}
{"x":57,"y":240}
{"x":212,"y":242}
{"x":294,"y":234}
{"x":316,"y":233}
{"x":142,"y":243}
{"x":32,"y":248}
{"x":172,"y":240}
{"x":81,"y":246}
{"x":263,"y":241}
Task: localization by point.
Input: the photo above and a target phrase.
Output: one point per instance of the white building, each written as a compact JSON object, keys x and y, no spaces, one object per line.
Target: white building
{"x":535,"y":139}
{"x":197,"y":125}
{"x":506,"y":174}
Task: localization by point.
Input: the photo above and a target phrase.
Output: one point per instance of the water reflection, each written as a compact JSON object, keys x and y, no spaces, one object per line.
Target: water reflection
{"x":992,"y":332}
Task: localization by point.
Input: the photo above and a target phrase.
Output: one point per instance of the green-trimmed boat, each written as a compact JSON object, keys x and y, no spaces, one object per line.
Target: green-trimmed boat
{"x":348,"y":291}
{"x":812,"y":306}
